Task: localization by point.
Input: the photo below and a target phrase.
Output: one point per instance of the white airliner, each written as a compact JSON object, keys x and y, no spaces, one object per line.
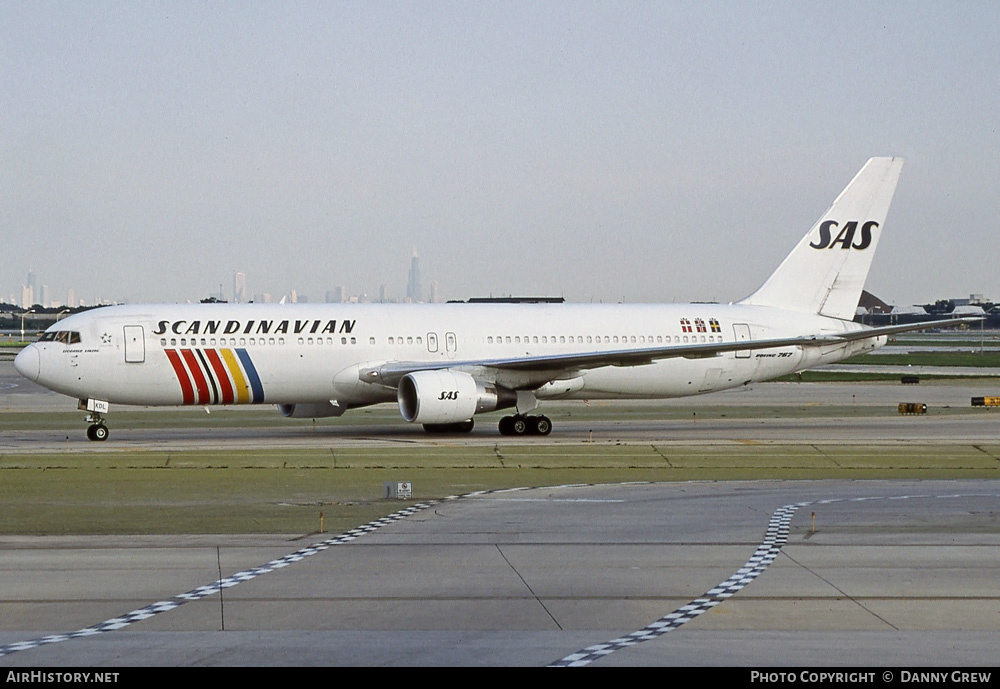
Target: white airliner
{"x":444,"y":363}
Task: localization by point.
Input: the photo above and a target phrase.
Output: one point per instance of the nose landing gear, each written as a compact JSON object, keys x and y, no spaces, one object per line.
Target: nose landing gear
{"x":97,"y":430}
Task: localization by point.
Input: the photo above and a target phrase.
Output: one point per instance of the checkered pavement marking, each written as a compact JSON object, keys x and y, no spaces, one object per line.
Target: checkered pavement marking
{"x":768,"y":550}
{"x":116,"y":623}
{"x":145,"y":613}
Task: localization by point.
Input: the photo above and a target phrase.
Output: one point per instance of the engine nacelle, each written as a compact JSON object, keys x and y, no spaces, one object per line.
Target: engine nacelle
{"x":310,"y":410}
{"x":438,"y":397}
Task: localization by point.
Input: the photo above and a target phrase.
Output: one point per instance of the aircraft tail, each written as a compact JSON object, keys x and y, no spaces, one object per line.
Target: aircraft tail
{"x":826,"y":271}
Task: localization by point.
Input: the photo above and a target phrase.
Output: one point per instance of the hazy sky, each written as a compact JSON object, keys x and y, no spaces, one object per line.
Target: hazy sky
{"x":651,"y":151}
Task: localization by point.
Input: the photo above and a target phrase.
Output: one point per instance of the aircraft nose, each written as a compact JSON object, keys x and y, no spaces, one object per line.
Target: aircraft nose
{"x":28,"y":363}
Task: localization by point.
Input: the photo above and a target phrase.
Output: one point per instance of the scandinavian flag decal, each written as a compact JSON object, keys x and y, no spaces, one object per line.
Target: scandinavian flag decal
{"x":216,"y":376}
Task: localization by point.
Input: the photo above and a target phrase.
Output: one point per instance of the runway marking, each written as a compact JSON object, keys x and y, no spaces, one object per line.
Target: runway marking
{"x":768,"y":550}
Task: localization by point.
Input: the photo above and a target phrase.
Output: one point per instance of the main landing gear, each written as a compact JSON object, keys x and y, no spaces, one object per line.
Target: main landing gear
{"x":520,"y":424}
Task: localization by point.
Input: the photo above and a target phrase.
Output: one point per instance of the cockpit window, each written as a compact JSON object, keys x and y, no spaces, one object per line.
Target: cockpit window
{"x":64,"y":336}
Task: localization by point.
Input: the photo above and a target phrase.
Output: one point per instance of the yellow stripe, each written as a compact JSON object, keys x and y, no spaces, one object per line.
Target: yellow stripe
{"x":239,"y":382}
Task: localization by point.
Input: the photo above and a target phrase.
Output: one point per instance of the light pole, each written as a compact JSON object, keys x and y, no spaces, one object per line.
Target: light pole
{"x":60,"y":314}
{"x":22,"y":322}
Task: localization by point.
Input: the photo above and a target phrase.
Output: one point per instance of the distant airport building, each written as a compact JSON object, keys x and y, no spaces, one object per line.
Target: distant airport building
{"x":875,"y":312}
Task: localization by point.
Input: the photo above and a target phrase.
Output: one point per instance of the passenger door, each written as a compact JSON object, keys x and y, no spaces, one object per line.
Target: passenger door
{"x":135,"y":344}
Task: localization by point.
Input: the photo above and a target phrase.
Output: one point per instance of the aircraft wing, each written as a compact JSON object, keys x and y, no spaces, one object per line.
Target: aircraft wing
{"x":909,"y":327}
{"x":560,"y":365}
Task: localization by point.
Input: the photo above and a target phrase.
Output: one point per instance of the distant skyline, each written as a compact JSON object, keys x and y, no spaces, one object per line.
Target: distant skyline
{"x":636,"y":151}
{"x":29,"y":293}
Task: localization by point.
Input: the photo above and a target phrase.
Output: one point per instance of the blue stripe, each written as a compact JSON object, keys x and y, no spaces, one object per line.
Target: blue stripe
{"x":255,"y":386}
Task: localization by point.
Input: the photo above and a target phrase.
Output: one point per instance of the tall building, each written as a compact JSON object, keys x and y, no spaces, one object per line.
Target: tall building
{"x":414,"y":292}
{"x":239,"y":288}
{"x":28,"y":292}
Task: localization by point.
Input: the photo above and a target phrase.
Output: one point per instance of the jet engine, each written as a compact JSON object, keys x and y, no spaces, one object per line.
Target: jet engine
{"x":445,"y":396}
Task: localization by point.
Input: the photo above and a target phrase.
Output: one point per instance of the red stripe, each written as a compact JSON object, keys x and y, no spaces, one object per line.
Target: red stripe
{"x":182,"y":376}
{"x":221,"y":375}
{"x":199,"y":378}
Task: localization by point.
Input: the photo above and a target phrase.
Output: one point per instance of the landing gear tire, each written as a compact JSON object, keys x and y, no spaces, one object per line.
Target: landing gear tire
{"x":525,"y":425}
{"x":504,"y":425}
{"x":97,"y":431}
{"x":542,"y":425}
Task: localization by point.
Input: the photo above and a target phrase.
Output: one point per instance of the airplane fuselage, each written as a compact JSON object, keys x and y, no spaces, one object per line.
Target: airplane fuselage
{"x":288,"y":354}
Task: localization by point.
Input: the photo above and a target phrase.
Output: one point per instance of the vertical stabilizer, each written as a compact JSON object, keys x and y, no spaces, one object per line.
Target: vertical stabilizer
{"x":826,"y":271}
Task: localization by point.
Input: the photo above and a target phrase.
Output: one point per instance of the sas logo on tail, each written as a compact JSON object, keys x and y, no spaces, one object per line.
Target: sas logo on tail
{"x":845,"y":238}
